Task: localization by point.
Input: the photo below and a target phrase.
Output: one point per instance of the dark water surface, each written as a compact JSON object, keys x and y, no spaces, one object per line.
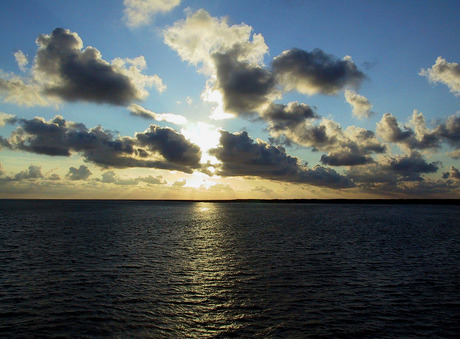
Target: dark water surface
{"x":170,"y":269}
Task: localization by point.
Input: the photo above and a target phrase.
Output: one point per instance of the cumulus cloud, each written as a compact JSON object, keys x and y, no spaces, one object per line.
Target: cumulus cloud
{"x":315,"y":72}
{"x":200,"y":36}
{"x":7,"y":119}
{"x":350,"y":147}
{"x":362,"y":108}
{"x":393,"y":170}
{"x":453,"y":173}
{"x":63,"y":70}
{"x":33,"y":172}
{"x":81,"y":173}
{"x":156,"y":147}
{"x":281,"y":117}
{"x":21,"y":60}
{"x":179,"y":183}
{"x":230,"y":56}
{"x":444,"y":72}
{"x":246,"y":88}
{"x":110,"y":177}
{"x":137,"y":110}
{"x":242,"y":156}
{"x":142,"y":12}
{"x":416,"y":136}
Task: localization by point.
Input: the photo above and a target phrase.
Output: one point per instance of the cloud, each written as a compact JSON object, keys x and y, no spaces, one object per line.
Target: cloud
{"x":63,"y":70}
{"x":450,"y":131}
{"x":179,"y":183}
{"x":17,"y":90}
{"x":362,"y":108}
{"x":281,"y":117}
{"x":200,"y":36}
{"x":444,"y":72}
{"x":142,"y":112}
{"x":7,"y":119}
{"x":245,"y":88}
{"x":453,"y":173}
{"x":81,"y":173}
{"x":156,"y":147}
{"x":230,"y":56}
{"x":141,"y":12}
{"x":110,"y":177}
{"x":21,"y":59}
{"x":416,"y":136}
{"x":350,"y":147}
{"x":33,"y":172}
{"x":54,"y":177}
{"x":262,"y":189}
{"x":242,"y":156}
{"x":315,"y":72}
{"x":393,"y":170}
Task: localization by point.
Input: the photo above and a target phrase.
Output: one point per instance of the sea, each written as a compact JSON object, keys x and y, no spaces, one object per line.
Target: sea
{"x":169,"y":269}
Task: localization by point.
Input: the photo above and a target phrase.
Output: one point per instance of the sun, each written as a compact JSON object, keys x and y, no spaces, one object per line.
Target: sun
{"x":206,"y":136}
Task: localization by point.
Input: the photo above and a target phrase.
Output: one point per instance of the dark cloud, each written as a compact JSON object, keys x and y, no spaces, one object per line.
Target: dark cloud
{"x":245,"y":87}
{"x":80,"y":75}
{"x":411,"y":166}
{"x":345,"y":159}
{"x":242,"y":156}
{"x":81,"y":173}
{"x":33,"y":172}
{"x":349,"y":147}
{"x":287,"y":117}
{"x":171,"y":145}
{"x":393,"y":170}
{"x":157,"y":147}
{"x":450,"y":130}
{"x":452,"y":174}
{"x":62,"y":69}
{"x":315,"y":72}
{"x":416,"y":136}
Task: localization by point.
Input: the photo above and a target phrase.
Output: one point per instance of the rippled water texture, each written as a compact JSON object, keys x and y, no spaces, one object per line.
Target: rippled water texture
{"x":152,"y":269}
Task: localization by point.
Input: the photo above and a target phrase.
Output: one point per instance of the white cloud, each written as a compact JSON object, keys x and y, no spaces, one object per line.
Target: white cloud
{"x":141,"y":12}
{"x":21,"y":59}
{"x":142,"y":112}
{"x":200,"y":35}
{"x":362,"y":108}
{"x":6,"y":118}
{"x":444,"y":72}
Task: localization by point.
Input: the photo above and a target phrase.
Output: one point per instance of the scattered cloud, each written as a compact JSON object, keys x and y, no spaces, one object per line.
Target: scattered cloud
{"x":141,"y":12}
{"x":444,"y":72}
{"x":315,"y":72}
{"x":110,"y":177}
{"x":7,"y":119}
{"x":21,"y":60}
{"x":137,"y":110}
{"x":63,"y":70}
{"x":33,"y":172}
{"x":362,"y":108}
{"x":81,"y":173}
{"x":156,"y":147}
{"x":242,"y":156}
{"x":453,"y":173}
{"x":416,"y":136}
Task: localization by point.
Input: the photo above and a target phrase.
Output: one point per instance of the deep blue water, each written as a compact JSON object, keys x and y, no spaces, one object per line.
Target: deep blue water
{"x":175,"y":270}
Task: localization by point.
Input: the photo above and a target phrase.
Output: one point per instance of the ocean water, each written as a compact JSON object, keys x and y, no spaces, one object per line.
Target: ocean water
{"x":201,"y":270}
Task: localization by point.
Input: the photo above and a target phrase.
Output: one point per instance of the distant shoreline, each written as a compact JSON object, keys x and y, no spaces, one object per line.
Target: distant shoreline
{"x":279,"y":201}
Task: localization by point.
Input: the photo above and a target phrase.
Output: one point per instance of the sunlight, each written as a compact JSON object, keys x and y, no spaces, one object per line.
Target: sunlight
{"x":204,"y":135}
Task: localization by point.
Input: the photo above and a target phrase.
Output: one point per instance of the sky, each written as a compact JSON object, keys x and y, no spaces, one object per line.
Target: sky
{"x":279,"y":99}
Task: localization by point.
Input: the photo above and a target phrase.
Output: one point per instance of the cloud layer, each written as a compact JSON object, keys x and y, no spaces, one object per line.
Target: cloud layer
{"x":63,"y":70}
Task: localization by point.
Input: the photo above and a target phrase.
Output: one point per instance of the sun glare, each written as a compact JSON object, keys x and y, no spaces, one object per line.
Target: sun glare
{"x":204,"y":135}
